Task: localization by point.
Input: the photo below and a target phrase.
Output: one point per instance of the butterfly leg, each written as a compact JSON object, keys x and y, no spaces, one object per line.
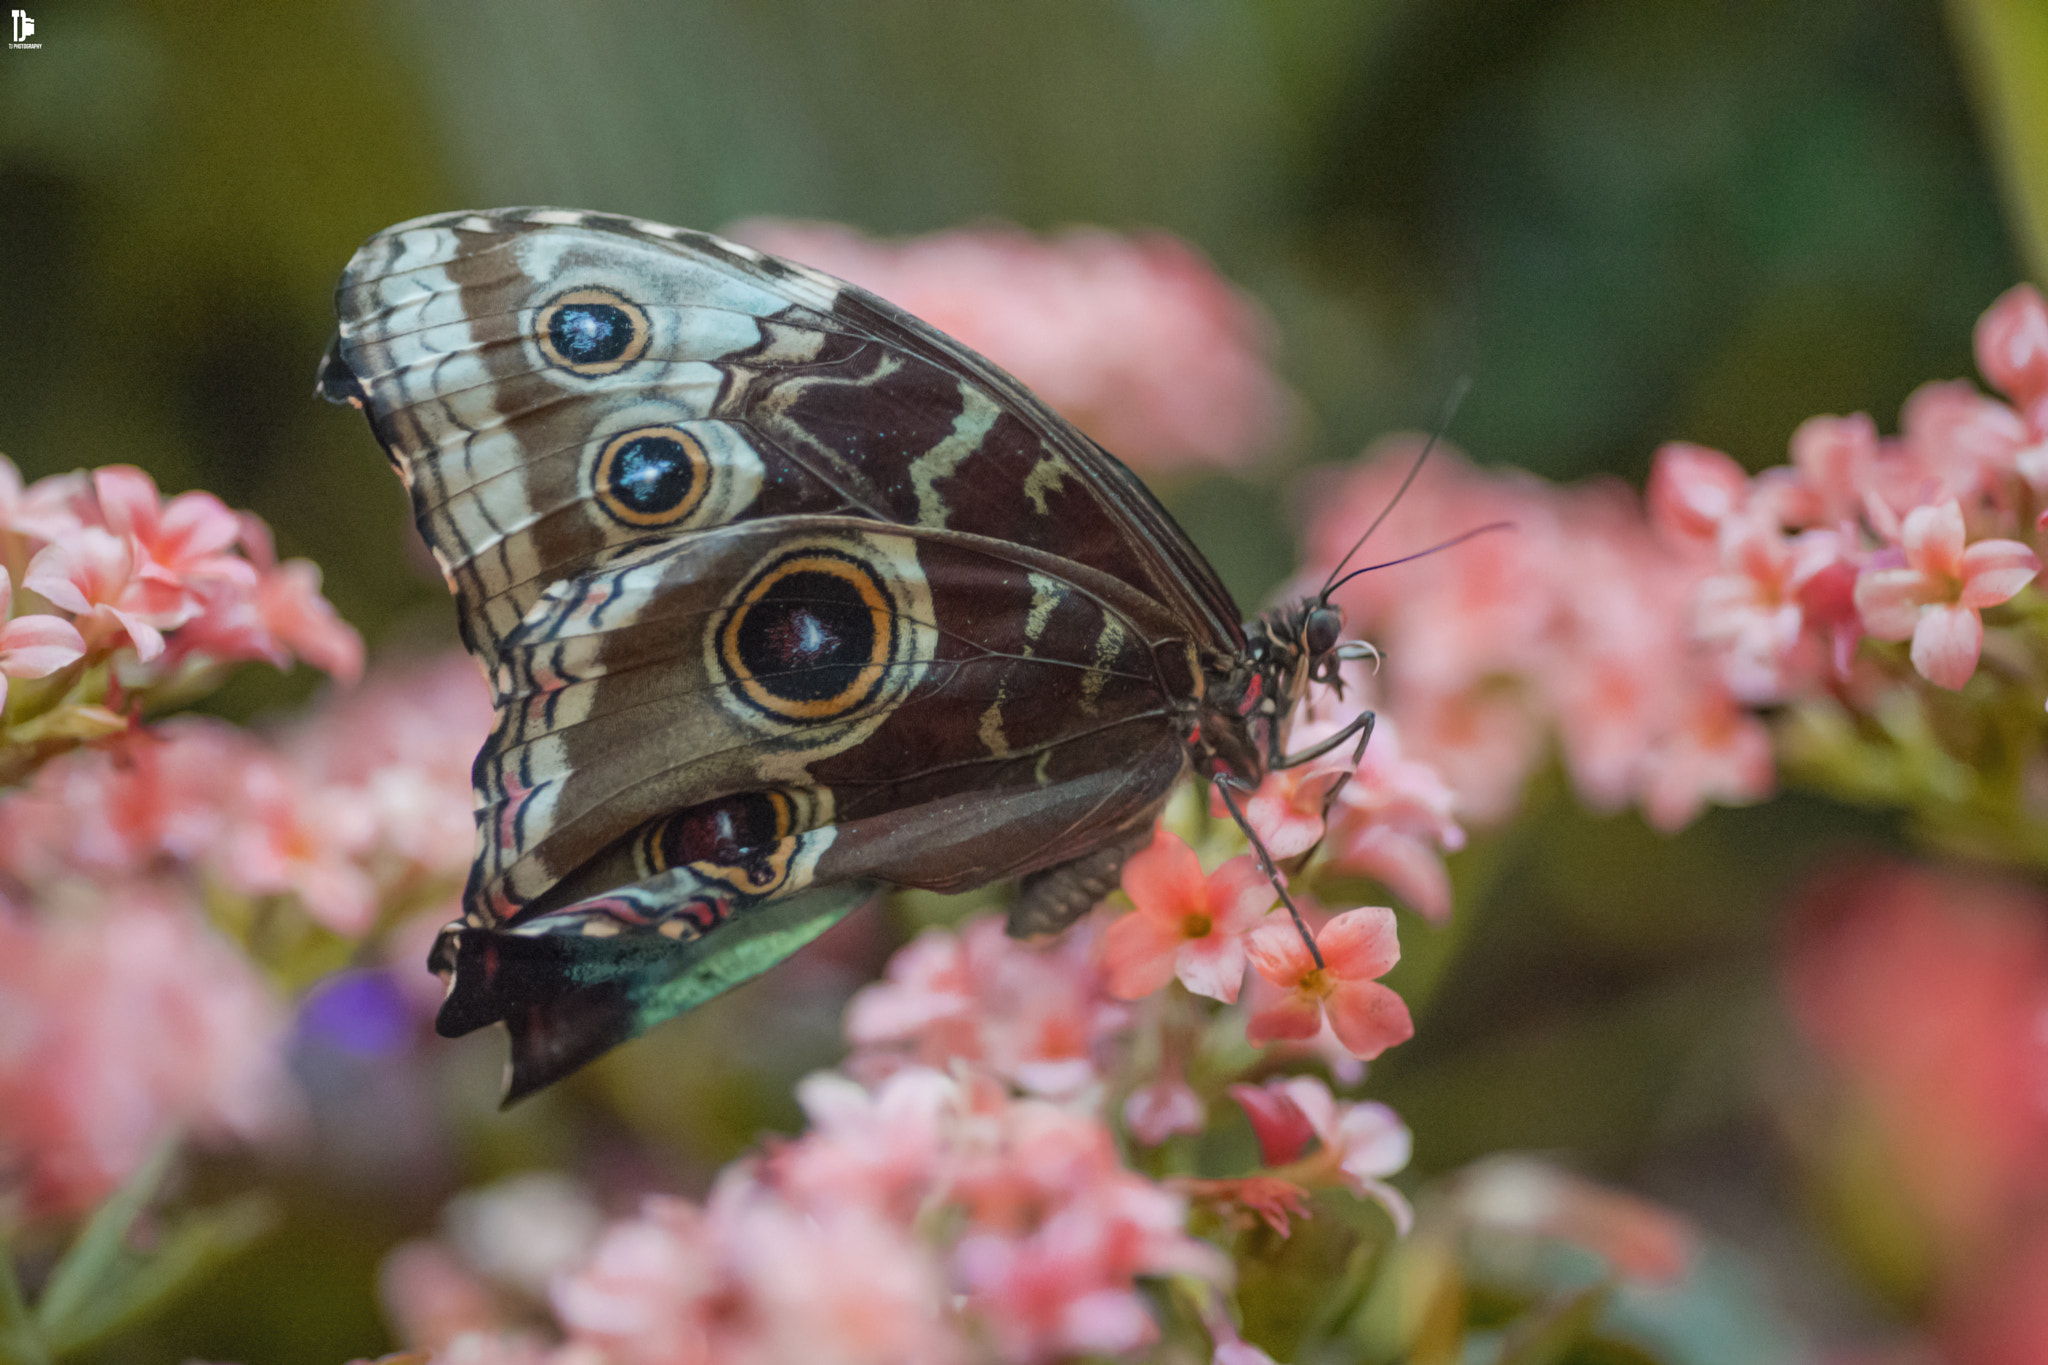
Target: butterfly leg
{"x":1226,"y":787}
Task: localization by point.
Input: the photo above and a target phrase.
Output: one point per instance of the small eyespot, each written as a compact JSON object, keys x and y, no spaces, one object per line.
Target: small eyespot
{"x":1321,"y":631}
{"x":652,"y":476}
{"x":591,"y":331}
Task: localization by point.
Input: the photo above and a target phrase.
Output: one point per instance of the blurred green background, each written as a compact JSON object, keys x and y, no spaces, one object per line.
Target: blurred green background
{"x":1628,"y":220}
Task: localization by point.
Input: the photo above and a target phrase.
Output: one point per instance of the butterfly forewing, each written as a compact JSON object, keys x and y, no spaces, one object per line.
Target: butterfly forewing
{"x":780,"y":591}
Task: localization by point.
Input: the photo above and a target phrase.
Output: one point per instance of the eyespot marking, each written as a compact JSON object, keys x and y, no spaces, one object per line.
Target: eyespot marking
{"x":591,"y":331}
{"x":652,"y":476}
{"x":810,"y":637}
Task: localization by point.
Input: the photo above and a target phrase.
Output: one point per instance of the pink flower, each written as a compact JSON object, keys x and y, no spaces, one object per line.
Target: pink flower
{"x":176,"y":543}
{"x":1927,"y":991}
{"x":1159,"y":1109}
{"x":1936,"y":597}
{"x":1036,"y":1015}
{"x":1392,"y":822}
{"x":2012,"y":351}
{"x":753,"y":1281}
{"x":91,"y":573}
{"x":1717,"y":752}
{"x":1692,"y":490}
{"x":1959,"y":439}
{"x":1837,"y":461}
{"x":1136,"y":340}
{"x":1184,"y":925}
{"x":117,"y":1027}
{"x":1365,"y":1142}
{"x":1277,"y":1121}
{"x":1356,"y":947}
{"x":33,"y":646}
{"x":1531,"y":1198}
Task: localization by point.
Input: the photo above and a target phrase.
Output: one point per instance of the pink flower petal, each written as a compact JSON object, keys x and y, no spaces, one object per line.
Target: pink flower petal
{"x":1240,"y":894}
{"x":1368,"y":1018}
{"x":1166,"y":879}
{"x":1293,"y":1017}
{"x":1410,"y":867}
{"x":1889,"y":601}
{"x":52,"y":577}
{"x":2012,"y":343}
{"x":1212,"y":965}
{"x":1138,"y":954}
{"x":37,"y":646}
{"x":1933,"y":538}
{"x":148,"y":640}
{"x":1277,"y":1121}
{"x":1993,"y":570}
{"x":1278,"y":954}
{"x":1946,"y":644}
{"x":1360,"y":944}
{"x":128,"y":499}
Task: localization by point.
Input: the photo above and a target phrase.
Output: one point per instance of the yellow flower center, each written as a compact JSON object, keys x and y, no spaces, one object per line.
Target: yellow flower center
{"x":1196,"y":926}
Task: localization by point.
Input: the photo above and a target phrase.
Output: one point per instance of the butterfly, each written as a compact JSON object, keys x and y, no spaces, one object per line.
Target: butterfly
{"x":783,"y":596}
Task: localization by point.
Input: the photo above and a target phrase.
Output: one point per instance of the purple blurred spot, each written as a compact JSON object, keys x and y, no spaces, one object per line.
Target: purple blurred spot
{"x":362,"y":1013}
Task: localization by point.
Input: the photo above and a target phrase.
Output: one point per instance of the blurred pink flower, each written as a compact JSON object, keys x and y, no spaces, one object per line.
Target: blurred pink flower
{"x":1392,"y":822}
{"x":752,"y":1281}
{"x":119,"y":1025}
{"x":1692,"y":490}
{"x":430,"y":1297}
{"x":1530,"y":1198}
{"x":33,"y":646}
{"x":1134,"y":339}
{"x":1935,"y":597}
{"x":1356,"y":947}
{"x":1161,"y":1108}
{"x":1279,"y":1124}
{"x":1184,"y":924}
{"x":2012,"y":352}
{"x":1037,"y":1016}
{"x":1928,"y":991}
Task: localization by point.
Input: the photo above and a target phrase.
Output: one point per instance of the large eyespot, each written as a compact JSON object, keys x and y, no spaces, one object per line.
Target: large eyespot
{"x":1319,"y":633}
{"x":652,"y":476}
{"x":591,"y":331}
{"x":810,"y":636}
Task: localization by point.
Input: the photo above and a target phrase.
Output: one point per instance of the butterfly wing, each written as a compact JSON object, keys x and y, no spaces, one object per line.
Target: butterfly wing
{"x":781,"y":592}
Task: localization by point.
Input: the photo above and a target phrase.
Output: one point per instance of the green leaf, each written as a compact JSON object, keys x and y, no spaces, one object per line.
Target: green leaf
{"x":1546,"y":1337}
{"x":20,"y":1341}
{"x":90,"y":1262}
{"x":201,"y":1242}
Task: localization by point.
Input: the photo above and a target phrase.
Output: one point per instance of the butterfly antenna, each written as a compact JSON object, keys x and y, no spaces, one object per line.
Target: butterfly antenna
{"x":1459,"y":539}
{"x":1451,"y":404}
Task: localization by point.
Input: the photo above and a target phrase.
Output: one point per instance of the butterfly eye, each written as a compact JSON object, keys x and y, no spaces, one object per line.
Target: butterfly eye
{"x":1321,"y":630}
{"x":652,"y":476}
{"x":591,"y":331}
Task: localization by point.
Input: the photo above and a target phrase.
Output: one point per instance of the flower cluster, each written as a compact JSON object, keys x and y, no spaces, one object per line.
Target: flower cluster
{"x":118,"y":1023}
{"x":126,"y":598}
{"x":123,"y":1011}
{"x":1135,"y":340}
{"x":1647,"y":640}
{"x":357,"y":814}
